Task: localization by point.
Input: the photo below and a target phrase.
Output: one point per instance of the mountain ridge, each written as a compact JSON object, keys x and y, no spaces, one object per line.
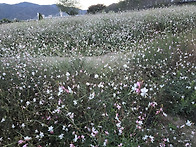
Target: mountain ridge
{"x":27,"y":10}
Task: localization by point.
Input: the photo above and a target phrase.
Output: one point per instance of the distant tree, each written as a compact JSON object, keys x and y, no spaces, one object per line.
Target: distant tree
{"x":68,"y":6}
{"x":5,"y":20}
{"x":96,"y":8}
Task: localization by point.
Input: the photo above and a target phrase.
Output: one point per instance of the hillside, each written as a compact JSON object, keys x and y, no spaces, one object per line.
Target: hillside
{"x":25,"y":10}
{"x":145,"y":4}
{"x":117,"y":80}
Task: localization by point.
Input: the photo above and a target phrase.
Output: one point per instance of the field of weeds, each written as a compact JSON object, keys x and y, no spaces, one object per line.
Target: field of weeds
{"x":119,"y":79}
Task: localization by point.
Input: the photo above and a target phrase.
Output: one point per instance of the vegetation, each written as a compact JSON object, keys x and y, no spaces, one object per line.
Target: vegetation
{"x":117,"y":79}
{"x":2,"y":21}
{"x":68,"y":6}
{"x":96,"y":8}
{"x":145,"y":4}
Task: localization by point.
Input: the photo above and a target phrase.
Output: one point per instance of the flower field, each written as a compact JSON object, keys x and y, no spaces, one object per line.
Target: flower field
{"x":118,"y":79}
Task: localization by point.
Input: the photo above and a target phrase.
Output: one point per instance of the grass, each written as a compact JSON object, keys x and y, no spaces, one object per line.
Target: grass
{"x":122,"y":79}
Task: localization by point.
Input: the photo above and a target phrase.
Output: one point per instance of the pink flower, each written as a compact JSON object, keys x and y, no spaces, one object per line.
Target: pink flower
{"x":66,"y":90}
{"x":105,"y":142}
{"x":59,"y":102}
{"x":157,"y":112}
{"x":82,"y":136}
{"x":138,"y":90}
{"x":72,"y":145}
{"x":25,"y":145}
{"x":21,"y":141}
{"x":48,"y":117}
{"x":69,"y":90}
{"x":139,"y":84}
{"x":120,"y":145}
{"x":94,"y":132}
{"x":106,"y":132}
{"x":118,"y":107}
{"x":62,"y":87}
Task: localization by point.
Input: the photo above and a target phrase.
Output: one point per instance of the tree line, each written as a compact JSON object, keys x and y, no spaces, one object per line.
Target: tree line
{"x":70,"y":6}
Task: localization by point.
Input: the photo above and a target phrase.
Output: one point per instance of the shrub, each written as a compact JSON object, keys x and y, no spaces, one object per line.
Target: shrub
{"x":96,"y":8}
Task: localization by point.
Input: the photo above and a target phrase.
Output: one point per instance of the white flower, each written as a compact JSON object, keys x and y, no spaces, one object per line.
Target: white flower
{"x":96,"y":76}
{"x":41,"y":134}
{"x":33,"y":73}
{"x":3,"y":119}
{"x":13,"y":126}
{"x":34,"y":100}
{"x":151,"y":138}
{"x":71,"y":115}
{"x":94,"y":132}
{"x":61,"y":136}
{"x":67,"y":74}
{"x":75,"y":102}
{"x":92,"y":95}
{"x":164,"y":114}
{"x":76,"y":138}
{"x":145,"y":137}
{"x":105,"y":142}
{"x":118,"y":124}
{"x":182,"y":126}
{"x":70,"y":91}
{"x":50,"y":129}
{"x":60,"y":90}
{"x":27,"y":103}
{"x":27,"y":138}
{"x":23,"y":125}
{"x":101,"y":85}
{"x":48,"y":91}
{"x":188,"y":123}
{"x":139,"y":122}
{"x":144,"y":91}
{"x":134,"y":87}
{"x":125,"y":66}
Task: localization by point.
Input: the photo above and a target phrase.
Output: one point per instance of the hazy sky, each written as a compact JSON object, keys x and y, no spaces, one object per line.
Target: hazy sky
{"x":83,"y":3}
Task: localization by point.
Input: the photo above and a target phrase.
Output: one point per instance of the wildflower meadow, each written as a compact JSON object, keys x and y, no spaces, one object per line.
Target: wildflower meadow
{"x":124,"y":79}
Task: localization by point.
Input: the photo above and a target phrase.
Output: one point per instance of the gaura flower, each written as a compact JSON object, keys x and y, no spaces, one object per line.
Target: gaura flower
{"x":25,"y":145}
{"x":72,"y":145}
{"x":21,"y":141}
{"x":27,"y":138}
{"x":188,"y":123}
{"x":50,"y":129}
{"x":62,"y":88}
{"x":137,"y":87}
{"x":144,"y":91}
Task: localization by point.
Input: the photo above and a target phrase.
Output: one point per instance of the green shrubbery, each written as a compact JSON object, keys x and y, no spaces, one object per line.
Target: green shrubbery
{"x":5,"y":21}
